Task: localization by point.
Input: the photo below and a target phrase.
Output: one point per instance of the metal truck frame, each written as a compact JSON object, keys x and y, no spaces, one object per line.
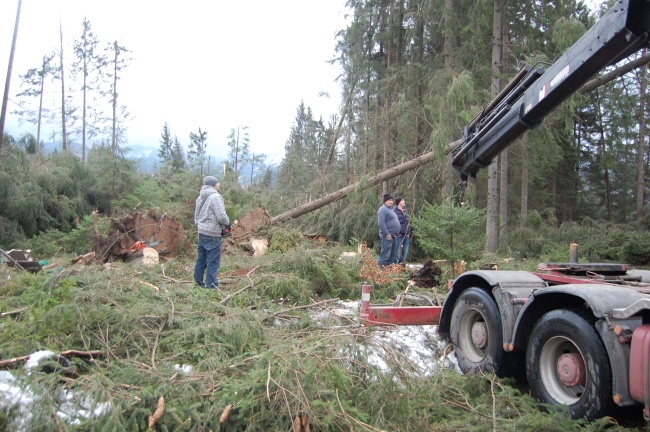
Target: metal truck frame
{"x":581,"y":331}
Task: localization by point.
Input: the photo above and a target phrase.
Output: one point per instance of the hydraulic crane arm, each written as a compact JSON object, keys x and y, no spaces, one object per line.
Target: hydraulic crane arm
{"x":534,"y":93}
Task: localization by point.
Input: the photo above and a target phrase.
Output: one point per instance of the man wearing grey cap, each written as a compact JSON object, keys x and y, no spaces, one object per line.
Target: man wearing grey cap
{"x":210,"y":217}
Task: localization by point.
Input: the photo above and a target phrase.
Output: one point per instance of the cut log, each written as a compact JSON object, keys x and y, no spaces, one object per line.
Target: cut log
{"x":149,"y":256}
{"x":259,"y":246}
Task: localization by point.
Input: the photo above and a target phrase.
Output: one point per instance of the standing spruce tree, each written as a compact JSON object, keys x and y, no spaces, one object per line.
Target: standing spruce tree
{"x":178,"y":156}
{"x":88,"y":64}
{"x":34,"y":81}
{"x":641,"y":143}
{"x":165,"y":150}
{"x":305,"y":153}
{"x":239,"y":144}
{"x":196,"y":151}
{"x":492,"y":226}
{"x":116,"y":62}
{"x":170,"y":152}
{"x":65,"y":109}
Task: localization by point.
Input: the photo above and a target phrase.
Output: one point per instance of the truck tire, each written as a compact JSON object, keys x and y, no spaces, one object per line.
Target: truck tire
{"x":476,"y":333}
{"x":567,"y":364}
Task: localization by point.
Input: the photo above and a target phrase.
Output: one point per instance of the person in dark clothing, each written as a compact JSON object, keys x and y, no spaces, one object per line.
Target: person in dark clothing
{"x":388,"y":231}
{"x":405,"y":232}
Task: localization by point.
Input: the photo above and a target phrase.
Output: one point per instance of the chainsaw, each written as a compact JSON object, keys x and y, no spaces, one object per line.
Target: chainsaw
{"x":139,"y":245}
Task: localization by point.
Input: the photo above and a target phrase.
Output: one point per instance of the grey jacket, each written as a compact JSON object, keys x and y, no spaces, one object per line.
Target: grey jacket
{"x":388,"y":222}
{"x":210,"y":212}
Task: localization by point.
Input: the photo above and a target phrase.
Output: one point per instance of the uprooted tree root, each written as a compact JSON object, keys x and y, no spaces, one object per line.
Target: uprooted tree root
{"x":163,"y":233}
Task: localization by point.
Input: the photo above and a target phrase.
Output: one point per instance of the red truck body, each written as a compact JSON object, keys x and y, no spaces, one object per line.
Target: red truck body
{"x":581,"y":331}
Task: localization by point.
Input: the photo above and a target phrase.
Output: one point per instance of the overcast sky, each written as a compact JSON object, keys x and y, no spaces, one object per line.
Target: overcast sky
{"x":206,"y":64}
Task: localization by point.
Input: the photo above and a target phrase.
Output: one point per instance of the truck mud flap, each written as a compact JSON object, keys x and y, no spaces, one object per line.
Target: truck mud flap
{"x":640,"y":368}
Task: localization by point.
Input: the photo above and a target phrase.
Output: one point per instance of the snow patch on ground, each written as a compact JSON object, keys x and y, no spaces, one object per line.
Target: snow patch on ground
{"x":17,"y":393}
{"x":419,"y":346}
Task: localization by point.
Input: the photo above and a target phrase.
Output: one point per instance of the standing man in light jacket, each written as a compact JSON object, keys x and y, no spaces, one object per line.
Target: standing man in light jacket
{"x":210,"y":217}
{"x":388,"y":232}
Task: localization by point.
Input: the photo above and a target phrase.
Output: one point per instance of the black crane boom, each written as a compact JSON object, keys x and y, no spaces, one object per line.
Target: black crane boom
{"x":534,"y":93}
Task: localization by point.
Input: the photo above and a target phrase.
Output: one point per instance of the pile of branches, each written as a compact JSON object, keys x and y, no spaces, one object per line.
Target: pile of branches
{"x":256,"y":355}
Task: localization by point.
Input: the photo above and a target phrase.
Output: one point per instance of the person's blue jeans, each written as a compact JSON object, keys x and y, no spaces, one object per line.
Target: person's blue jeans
{"x":208,"y":261}
{"x":389,"y":251}
{"x":405,"y":243}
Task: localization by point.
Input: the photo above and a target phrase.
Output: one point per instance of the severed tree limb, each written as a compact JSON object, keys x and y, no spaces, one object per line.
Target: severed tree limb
{"x":86,"y":258}
{"x":7,"y":362}
{"x":149,"y":285}
{"x":306,"y":306}
{"x":268,"y":381}
{"x":13,"y":312}
{"x":178,"y":281}
{"x":225,"y":300}
{"x":75,"y":353}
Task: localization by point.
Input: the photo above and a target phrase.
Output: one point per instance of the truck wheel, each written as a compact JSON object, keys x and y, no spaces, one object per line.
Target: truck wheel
{"x":567,"y":364}
{"x":476,"y":332}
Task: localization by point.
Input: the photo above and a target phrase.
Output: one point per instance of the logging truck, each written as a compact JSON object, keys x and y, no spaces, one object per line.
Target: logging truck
{"x":579,"y":331}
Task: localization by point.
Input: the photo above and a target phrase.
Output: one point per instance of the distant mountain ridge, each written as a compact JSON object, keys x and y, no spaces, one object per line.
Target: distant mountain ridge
{"x":146,"y":155}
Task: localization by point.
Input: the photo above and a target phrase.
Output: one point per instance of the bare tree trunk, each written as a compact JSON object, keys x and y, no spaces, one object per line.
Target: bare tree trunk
{"x":503,"y":198}
{"x":40,"y":116}
{"x":448,"y":46}
{"x":85,"y":107}
{"x":525,"y":176}
{"x":640,"y":152}
{"x":419,"y":114}
{"x":5,"y":97}
{"x":448,"y":55}
{"x":64,"y":133}
{"x":602,"y":150}
{"x":114,"y":121}
{"x":492,"y":227}
{"x":503,"y":158}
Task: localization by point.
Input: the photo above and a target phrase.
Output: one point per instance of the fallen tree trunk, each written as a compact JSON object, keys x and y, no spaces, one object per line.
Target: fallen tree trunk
{"x":610,"y":76}
{"x":372,"y":181}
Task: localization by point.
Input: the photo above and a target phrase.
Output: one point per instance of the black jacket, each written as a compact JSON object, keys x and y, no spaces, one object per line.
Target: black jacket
{"x":404,"y":221}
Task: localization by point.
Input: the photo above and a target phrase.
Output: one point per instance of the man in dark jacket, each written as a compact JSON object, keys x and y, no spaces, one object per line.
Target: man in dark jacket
{"x":210,"y":218}
{"x":405,"y":232}
{"x":388,"y":231}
